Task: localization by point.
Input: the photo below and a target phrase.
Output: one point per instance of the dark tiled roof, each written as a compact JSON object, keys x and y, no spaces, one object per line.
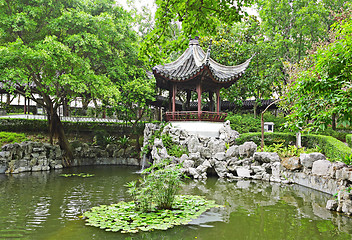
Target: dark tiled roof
{"x":195,"y":61}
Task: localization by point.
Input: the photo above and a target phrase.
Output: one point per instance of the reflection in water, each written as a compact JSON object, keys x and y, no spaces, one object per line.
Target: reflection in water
{"x":44,"y":205}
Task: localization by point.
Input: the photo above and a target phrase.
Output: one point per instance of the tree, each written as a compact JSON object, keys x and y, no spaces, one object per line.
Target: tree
{"x":194,"y":17}
{"x":322,"y":83}
{"x":65,"y":49}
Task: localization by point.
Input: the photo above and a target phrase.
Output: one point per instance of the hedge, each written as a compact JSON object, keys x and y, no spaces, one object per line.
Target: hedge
{"x":269,"y":138}
{"x":330,"y":146}
{"x":38,"y":125}
{"x":349,"y":140}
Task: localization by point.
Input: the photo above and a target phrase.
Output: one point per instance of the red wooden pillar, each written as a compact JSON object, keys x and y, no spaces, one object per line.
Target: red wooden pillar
{"x":217,"y":100}
{"x":199,"y":92}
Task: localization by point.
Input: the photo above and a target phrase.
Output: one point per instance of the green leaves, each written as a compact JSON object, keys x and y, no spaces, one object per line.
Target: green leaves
{"x":124,"y":217}
{"x":322,"y":88}
{"x":83,"y":175}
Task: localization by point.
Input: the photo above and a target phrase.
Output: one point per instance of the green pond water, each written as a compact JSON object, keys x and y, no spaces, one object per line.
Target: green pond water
{"x":44,"y":205}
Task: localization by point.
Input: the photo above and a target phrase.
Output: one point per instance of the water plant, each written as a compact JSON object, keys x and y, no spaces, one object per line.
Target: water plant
{"x":124,"y":217}
{"x":84,"y":175}
{"x":155,"y":204}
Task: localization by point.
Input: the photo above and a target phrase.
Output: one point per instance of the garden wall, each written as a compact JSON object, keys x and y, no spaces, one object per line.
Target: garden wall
{"x":34,"y":156}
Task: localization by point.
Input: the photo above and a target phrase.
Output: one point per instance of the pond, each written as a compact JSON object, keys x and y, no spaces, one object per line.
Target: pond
{"x":45,"y":205}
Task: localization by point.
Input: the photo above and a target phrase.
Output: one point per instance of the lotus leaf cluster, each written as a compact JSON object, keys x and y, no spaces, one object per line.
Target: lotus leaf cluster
{"x":124,"y":217}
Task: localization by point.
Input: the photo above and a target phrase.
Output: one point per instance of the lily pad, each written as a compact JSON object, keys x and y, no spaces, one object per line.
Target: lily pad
{"x":124,"y":217}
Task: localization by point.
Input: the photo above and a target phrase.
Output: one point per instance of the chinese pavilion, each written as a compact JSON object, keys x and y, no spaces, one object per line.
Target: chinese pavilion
{"x":195,"y":71}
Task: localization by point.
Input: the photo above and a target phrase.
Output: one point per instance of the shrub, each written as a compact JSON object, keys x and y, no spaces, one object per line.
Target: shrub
{"x":157,"y":189}
{"x":10,"y":137}
{"x":172,"y":148}
{"x":339,"y":134}
{"x":331,"y":147}
{"x":245,"y":123}
{"x":349,"y":140}
{"x":269,"y":138}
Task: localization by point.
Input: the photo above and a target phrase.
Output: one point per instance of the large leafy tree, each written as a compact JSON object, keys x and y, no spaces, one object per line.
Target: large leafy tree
{"x":193,"y":17}
{"x":64,"y":49}
{"x":322,"y":83}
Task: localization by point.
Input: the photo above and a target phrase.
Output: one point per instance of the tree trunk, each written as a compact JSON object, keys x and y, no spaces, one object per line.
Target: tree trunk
{"x":56,"y":130}
{"x":334,"y":121}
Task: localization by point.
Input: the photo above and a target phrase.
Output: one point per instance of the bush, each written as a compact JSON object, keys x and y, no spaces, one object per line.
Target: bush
{"x":349,"y":140}
{"x":339,"y":134}
{"x":172,"y":148}
{"x":331,"y":147}
{"x":9,"y":137}
{"x":245,"y":123}
{"x":269,"y":138}
{"x":157,"y":189}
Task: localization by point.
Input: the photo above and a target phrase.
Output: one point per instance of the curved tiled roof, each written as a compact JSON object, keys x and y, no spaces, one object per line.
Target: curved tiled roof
{"x":194,"y":62}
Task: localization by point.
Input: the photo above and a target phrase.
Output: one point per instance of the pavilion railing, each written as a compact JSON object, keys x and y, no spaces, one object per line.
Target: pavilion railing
{"x":196,"y":116}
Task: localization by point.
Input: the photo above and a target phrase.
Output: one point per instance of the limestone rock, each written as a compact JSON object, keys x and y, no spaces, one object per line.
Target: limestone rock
{"x":291,"y":163}
{"x":193,"y":144}
{"x":321,"y":167}
{"x":247,"y":149}
{"x":266,"y":157}
{"x":188,"y":164}
{"x":232,"y":152}
{"x":220,"y":156}
{"x":243,"y":172}
{"x":331,"y":205}
{"x":307,"y":160}
{"x":220,"y":168}
{"x":227,"y":134}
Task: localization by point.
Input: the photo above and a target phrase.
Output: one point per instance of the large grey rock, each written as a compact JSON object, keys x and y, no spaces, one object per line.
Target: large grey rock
{"x":232,"y":152}
{"x":266,"y":157}
{"x":220,"y":156}
{"x":247,"y":149}
{"x":188,"y":164}
{"x":321,"y":167}
{"x":205,"y":152}
{"x":307,"y":160}
{"x":291,"y":163}
{"x":203,"y":167}
{"x":232,"y":164}
{"x":331,"y":205}
{"x":227,"y":134}
{"x":216,"y":146}
{"x":243,"y":172}
{"x":193,"y":144}
{"x":220,"y":168}
{"x":335,"y":170}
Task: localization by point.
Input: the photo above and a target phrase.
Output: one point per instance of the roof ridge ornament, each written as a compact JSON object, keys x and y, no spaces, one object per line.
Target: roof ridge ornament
{"x":208,"y":51}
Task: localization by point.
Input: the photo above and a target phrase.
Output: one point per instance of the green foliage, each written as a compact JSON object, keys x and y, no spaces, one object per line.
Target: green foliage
{"x":36,"y":125}
{"x":197,"y":18}
{"x":123,"y":141}
{"x":331,"y":147}
{"x":349,"y":140}
{"x":157,"y":189}
{"x":339,"y":134}
{"x":83,"y":175}
{"x":245,"y":123}
{"x":124,"y":217}
{"x":269,"y":138}
{"x":287,"y":151}
{"x":321,"y":88}
{"x":10,"y":137}
{"x":172,"y":148}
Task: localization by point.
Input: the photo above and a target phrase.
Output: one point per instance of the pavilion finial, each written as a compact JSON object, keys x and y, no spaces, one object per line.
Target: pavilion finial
{"x":194,"y":41}
{"x":208,"y":51}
